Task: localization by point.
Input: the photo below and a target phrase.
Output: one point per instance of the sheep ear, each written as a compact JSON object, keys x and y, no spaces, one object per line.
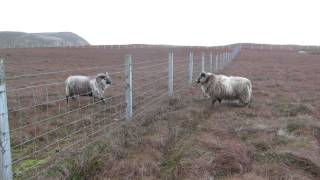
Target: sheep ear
{"x":102,"y":75}
{"x":99,"y":77}
{"x":107,"y":73}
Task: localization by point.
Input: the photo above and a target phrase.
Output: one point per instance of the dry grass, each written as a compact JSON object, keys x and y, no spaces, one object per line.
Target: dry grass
{"x":276,"y":137}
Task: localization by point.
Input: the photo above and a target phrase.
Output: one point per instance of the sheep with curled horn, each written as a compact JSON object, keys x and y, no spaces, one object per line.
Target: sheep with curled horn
{"x":88,"y":86}
{"x":221,"y":87}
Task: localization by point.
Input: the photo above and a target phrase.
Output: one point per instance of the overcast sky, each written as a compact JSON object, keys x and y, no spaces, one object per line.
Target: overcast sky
{"x":179,"y":22}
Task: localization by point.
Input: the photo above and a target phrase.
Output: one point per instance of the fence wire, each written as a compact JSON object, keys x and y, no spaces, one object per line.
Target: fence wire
{"x":43,"y":125}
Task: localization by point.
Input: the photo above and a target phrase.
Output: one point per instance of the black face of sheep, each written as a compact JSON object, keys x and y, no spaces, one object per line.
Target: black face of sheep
{"x":108,"y":79}
{"x":104,"y":79}
{"x":202,"y":77}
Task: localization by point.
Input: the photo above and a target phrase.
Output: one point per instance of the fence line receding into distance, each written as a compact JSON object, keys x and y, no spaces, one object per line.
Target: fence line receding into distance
{"x":43,"y":126}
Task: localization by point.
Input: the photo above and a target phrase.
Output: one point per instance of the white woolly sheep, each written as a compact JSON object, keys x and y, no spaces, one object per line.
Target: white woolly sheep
{"x":87,"y":86}
{"x":220,"y":87}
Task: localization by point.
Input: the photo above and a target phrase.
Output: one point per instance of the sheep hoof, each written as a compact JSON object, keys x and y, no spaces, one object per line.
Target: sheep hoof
{"x":213,"y":102}
{"x":244,"y":104}
{"x":103,"y":100}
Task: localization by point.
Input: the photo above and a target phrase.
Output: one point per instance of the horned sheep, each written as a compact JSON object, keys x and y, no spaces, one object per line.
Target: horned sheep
{"x":221,"y":87}
{"x":87,"y":86}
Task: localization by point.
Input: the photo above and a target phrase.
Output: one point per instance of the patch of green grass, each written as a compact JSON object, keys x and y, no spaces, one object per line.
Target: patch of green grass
{"x":280,"y":140}
{"x":266,"y":157}
{"x":81,"y":165}
{"x":27,"y":165}
{"x":294,"y":126}
{"x":16,"y":152}
{"x":170,"y":164}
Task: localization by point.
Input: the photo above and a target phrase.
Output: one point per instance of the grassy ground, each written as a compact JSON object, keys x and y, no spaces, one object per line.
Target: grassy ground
{"x":276,"y":137}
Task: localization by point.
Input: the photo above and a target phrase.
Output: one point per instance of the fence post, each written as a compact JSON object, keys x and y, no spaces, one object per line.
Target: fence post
{"x":128,"y":87}
{"x":225,"y":58}
{"x":216,"y":66}
{"x":202,"y":62}
{"x":170,"y":73}
{"x":190,"y":67}
{"x":211,"y":63}
{"x":5,"y":157}
{"x":221,"y":61}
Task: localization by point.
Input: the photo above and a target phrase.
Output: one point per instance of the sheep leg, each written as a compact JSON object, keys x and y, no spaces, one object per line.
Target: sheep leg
{"x":244,"y":103}
{"x":213,"y":101}
{"x":103,"y":100}
{"x":69,"y":96}
{"x":219,"y":100}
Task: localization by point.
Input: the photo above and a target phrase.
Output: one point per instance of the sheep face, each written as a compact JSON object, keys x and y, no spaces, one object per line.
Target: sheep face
{"x":108,"y":79}
{"x":203,"y":78}
{"x":104,"y":80}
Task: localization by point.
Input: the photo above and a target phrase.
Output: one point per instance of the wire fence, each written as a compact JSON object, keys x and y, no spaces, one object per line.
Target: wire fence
{"x":274,"y":47}
{"x":43,"y":125}
{"x":67,"y":45}
{"x":13,"y":45}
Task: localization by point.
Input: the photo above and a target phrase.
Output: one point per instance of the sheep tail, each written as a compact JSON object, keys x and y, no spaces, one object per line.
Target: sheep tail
{"x":249,"y":89}
{"x":67,"y":91}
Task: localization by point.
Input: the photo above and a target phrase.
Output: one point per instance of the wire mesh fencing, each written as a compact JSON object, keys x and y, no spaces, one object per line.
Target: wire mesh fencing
{"x":44,"y":125}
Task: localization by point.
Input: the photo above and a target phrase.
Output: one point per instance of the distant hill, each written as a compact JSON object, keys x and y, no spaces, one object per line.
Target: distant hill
{"x":10,"y":39}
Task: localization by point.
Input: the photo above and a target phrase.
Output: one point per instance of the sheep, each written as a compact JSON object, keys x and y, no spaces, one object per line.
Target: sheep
{"x":220,"y":87}
{"x":88,"y":86}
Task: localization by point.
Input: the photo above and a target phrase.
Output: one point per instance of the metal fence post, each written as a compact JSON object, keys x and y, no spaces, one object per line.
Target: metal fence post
{"x":216,"y":64}
{"x":128,"y":87}
{"x":211,"y":63}
{"x":202,"y":62}
{"x":170,"y":73}
{"x":5,"y":157}
{"x":190,"y":67}
{"x":221,"y":62}
{"x":225,"y":58}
